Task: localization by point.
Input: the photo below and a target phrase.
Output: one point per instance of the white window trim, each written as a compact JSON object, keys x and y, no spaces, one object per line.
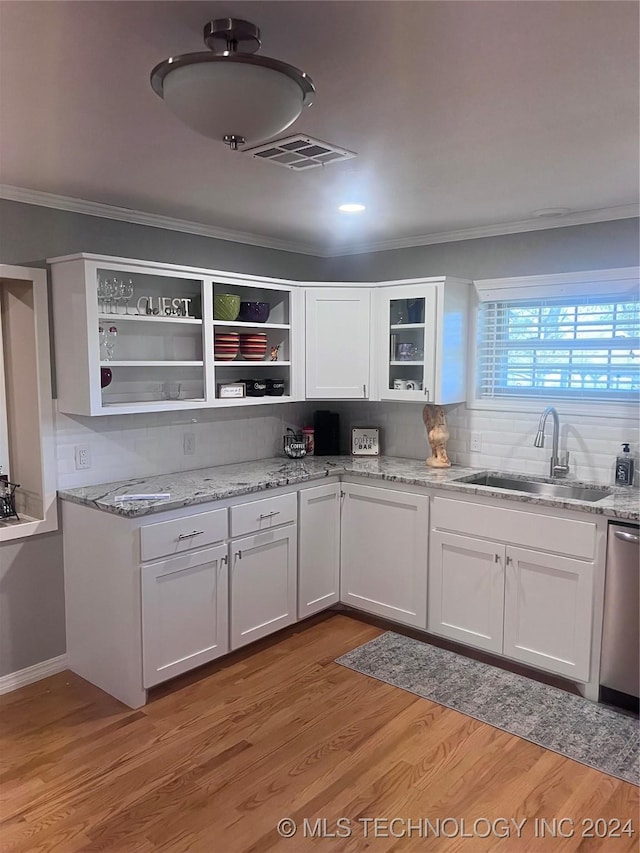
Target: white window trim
{"x":590,"y":282}
{"x":543,"y":286}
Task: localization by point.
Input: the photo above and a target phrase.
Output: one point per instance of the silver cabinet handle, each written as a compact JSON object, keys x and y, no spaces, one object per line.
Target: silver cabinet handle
{"x":237,"y":555}
{"x":627,"y":537}
{"x":190,"y":535}
{"x":509,"y":561}
{"x":268,"y":515}
{"x":426,"y":393}
{"x":364,"y":390}
{"x":224,"y":561}
{"x":496,"y":558}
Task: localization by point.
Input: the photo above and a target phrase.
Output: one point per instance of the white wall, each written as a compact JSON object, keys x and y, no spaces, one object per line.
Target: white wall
{"x":127,"y":446}
{"x":507,"y":437}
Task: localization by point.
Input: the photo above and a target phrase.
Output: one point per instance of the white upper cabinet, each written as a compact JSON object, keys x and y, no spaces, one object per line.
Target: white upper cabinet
{"x":138,"y":336}
{"x":337,"y":327}
{"x":421,"y":340}
{"x":133,"y":336}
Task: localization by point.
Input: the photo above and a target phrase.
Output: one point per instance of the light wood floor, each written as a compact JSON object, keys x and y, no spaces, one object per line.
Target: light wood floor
{"x":217,"y":758}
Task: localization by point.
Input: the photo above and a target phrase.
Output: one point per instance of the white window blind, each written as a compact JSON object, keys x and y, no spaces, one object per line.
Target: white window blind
{"x":576,"y":347}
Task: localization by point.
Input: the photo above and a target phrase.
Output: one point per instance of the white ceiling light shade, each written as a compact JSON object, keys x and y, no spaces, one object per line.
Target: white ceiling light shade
{"x":232,"y":95}
{"x":352,"y":207}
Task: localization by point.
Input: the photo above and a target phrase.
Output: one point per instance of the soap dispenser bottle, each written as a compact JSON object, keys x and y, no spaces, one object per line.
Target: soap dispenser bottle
{"x":624,"y":467}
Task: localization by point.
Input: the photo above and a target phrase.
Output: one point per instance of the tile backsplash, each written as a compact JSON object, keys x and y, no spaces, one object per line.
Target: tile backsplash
{"x":506,"y":437}
{"x":128,"y":446}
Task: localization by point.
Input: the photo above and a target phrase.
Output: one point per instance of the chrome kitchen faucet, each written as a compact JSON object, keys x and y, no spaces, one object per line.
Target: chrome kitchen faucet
{"x":558,"y":467}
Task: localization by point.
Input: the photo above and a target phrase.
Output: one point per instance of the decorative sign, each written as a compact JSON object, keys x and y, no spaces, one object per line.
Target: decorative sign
{"x":164,"y":306}
{"x":229,"y":390}
{"x":365,"y":441}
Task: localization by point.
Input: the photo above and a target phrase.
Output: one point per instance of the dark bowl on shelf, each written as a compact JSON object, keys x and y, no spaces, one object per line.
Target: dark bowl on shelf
{"x":105,"y":376}
{"x":254,"y":312}
{"x":275,"y":387}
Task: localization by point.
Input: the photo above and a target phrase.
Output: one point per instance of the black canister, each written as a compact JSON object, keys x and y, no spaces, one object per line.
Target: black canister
{"x":275,"y":387}
{"x":255,"y":387}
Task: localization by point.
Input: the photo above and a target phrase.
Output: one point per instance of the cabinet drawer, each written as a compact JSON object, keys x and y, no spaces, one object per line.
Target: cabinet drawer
{"x":262,"y":515}
{"x":182,"y":534}
{"x":528,"y":529}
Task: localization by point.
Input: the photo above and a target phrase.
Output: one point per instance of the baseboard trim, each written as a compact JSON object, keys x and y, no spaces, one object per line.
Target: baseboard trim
{"x":38,"y":671}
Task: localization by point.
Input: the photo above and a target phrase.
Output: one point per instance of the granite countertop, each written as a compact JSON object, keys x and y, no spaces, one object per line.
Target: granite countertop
{"x":189,"y":488}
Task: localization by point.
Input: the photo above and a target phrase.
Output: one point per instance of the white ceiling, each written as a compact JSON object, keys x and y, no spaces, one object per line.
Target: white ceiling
{"x":464,"y":114}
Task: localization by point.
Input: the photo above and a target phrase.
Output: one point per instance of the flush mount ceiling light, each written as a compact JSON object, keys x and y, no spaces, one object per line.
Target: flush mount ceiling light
{"x":229,"y":94}
{"x":352,"y":208}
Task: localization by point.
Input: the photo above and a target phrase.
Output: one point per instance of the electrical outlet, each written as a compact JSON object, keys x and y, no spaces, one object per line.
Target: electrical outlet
{"x":82,"y":455}
{"x":475,"y":441}
{"x":189,"y":443}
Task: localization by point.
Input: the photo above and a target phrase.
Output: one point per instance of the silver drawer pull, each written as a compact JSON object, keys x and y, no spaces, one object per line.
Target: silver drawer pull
{"x":190,"y":535}
{"x":269,"y":515}
{"x":627,"y":537}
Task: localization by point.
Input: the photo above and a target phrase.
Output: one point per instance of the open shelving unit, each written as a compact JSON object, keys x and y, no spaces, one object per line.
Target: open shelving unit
{"x":278,"y":331}
{"x":147,"y":353}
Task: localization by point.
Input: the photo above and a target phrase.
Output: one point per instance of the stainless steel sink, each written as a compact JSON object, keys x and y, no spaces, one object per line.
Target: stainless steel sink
{"x":536,"y":487}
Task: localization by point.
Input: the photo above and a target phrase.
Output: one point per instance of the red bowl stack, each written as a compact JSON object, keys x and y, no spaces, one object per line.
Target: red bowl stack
{"x":253,"y":347}
{"x":225,"y":347}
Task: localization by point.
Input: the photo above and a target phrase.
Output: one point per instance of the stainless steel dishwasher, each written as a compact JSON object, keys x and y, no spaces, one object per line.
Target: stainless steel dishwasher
{"x":620,"y":661}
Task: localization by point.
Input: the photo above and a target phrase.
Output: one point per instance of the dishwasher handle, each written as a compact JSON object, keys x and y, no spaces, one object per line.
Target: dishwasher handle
{"x":627,"y":537}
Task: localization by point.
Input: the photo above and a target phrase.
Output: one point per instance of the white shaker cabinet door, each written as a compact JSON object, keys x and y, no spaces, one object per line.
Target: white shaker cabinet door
{"x":318,"y":549}
{"x":263,"y":578}
{"x":549,"y":611}
{"x":466,"y":590}
{"x":337,"y":326}
{"x":384,"y":552}
{"x":184,"y":613}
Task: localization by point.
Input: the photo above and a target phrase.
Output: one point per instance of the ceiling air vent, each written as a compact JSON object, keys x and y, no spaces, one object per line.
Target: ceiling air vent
{"x":300,"y":152}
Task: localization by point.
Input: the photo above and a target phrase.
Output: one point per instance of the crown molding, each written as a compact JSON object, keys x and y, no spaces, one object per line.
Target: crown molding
{"x":154,"y":220}
{"x":604,"y":214}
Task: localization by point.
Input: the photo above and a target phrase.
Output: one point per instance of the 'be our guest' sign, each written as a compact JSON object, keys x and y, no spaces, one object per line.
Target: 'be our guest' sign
{"x":164,"y":306}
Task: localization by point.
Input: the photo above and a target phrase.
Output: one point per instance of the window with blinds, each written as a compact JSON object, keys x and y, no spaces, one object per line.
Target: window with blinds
{"x":574,"y":347}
